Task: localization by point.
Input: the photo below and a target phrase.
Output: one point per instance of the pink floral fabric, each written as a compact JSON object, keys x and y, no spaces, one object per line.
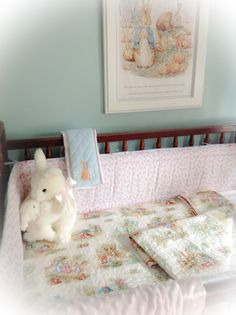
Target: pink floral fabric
{"x":136,"y":177}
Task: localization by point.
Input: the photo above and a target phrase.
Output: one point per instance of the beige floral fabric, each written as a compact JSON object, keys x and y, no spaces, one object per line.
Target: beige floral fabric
{"x":101,"y":259}
{"x":209,"y":200}
{"x":194,"y":246}
{"x":156,"y":213}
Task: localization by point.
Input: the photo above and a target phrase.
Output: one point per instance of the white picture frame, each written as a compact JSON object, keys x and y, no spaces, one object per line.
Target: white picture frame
{"x":133,"y":83}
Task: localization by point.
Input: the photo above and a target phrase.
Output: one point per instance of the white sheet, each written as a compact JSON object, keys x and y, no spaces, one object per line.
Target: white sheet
{"x":172,"y":298}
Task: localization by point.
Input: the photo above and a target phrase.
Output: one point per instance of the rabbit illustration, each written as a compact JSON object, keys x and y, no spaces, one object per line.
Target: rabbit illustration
{"x":164,"y":22}
{"x":143,"y":41}
{"x":111,"y":250}
{"x":128,"y":52}
{"x":85,"y":171}
{"x":177,"y":19}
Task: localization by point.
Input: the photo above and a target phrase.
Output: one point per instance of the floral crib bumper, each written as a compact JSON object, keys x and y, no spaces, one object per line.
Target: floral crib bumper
{"x":194,"y":246}
{"x":101,"y":258}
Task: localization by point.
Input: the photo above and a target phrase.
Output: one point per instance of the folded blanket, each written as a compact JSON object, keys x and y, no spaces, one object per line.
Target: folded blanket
{"x":143,"y":255}
{"x":191,"y":246}
{"x":82,"y":157}
{"x":153,"y":214}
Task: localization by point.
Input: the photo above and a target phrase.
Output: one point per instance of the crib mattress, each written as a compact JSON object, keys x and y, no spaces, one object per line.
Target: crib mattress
{"x":99,"y":260}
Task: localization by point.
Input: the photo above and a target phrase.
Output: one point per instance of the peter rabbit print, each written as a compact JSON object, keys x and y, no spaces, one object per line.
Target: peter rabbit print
{"x":155,"y":35}
{"x":85,"y":174}
{"x":156,"y":53}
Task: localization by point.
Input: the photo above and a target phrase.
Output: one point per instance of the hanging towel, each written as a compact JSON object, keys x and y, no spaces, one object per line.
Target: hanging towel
{"x":82,"y":157}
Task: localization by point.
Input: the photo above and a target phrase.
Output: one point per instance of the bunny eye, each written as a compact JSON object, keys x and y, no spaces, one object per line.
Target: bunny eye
{"x":44,"y":190}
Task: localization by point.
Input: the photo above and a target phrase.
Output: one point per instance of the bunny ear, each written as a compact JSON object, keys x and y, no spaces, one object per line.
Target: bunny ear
{"x":40,"y":160}
{"x":140,"y":4}
{"x":149,"y":5}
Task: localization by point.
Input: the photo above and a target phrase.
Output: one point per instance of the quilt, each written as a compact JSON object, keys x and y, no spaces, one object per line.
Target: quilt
{"x":194,"y":246}
{"x":101,"y":259}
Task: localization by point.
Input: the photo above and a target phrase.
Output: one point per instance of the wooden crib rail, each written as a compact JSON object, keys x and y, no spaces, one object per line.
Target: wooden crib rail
{"x":4,"y":173}
{"x":3,"y":157}
{"x":56,"y":141}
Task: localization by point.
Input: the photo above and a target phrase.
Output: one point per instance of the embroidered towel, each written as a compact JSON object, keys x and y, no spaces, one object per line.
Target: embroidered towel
{"x":82,"y":157}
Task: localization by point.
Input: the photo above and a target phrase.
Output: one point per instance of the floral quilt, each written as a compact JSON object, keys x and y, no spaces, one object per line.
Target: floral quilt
{"x":101,"y":258}
{"x":193,"y":246}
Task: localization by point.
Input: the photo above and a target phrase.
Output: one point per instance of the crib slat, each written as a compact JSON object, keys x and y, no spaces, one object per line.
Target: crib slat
{"x":175,"y":142}
{"x":191,"y":141}
{"x":207,"y":138}
{"x":62,"y":152}
{"x":107,"y":147}
{"x":222,"y":138}
{"x":27,"y":154}
{"x":142,"y":144}
{"x":1,"y":160}
{"x":125,"y":145}
{"x":158,"y":143}
{"x":49,"y":152}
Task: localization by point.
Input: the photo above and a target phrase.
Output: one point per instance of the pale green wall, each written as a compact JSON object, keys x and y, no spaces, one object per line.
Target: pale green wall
{"x":53,"y":78}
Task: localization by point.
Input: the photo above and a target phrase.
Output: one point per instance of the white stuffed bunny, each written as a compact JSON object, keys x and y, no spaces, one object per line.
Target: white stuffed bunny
{"x":49,"y":211}
{"x":29,"y":211}
{"x":40,"y":227}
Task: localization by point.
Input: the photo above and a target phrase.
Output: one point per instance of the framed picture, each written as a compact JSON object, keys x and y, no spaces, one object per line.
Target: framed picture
{"x":154,"y":54}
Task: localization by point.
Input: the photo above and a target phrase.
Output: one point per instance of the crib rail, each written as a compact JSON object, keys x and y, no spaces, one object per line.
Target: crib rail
{"x":4,"y":172}
{"x":124,"y":137}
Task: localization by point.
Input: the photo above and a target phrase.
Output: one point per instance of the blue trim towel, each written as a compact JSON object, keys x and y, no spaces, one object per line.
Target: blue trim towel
{"x":82,"y":157}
